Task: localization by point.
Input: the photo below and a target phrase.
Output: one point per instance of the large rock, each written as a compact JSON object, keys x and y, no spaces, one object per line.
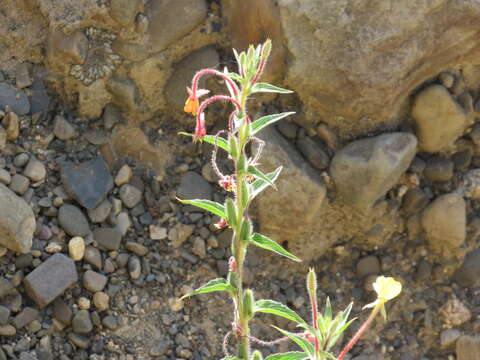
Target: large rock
{"x":51,"y":279}
{"x":291,"y":213}
{"x":444,"y":223}
{"x":88,"y":183}
{"x":17,"y":222}
{"x":366,"y":169}
{"x":440,"y":120}
{"x":360,"y":60}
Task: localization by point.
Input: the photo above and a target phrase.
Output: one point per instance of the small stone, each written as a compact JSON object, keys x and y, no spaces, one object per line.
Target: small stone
{"x":449,"y":337}
{"x":183,"y":232}
{"x":83,"y":303}
{"x":35,"y":170}
{"x":414,"y":200}
{"x":438,"y":169}
{"x":73,"y":221}
{"x":76,"y":248}
{"x":199,"y":247}
{"x":123,"y":223}
{"x":469,"y":273}
{"x":327,"y":136}
{"x":63,"y":129}
{"x":22,"y":76}
{"x":101,"y":301}
{"x":157,"y":232}
{"x":175,"y":304}
{"x":79,"y":341}
{"x":468,"y":347}
{"x":110,"y":322}
{"x":50,"y":279}
{"x":108,"y":238}
{"x":19,"y":184}
{"x":12,"y":126}
{"x":94,"y":281}
{"x":130,"y":195}
{"x":124,"y":175}
{"x":136,"y":248}
{"x":134,"y":267}
{"x":25,"y":317}
{"x":368,"y":265}
{"x":7,"y":330}
{"x":194,"y":186}
{"x":288,"y":129}
{"x":81,"y":323}
{"x":3,"y":138}
{"x":53,"y":248}
{"x":447,"y":79}
{"x":315,"y":155}
{"x":4,"y":315}
{"x":93,"y":257}
{"x":39,"y":100}
{"x":21,"y":160}
{"x":62,"y":312}
{"x":5,"y":177}
{"x":109,"y":266}
{"x":470,"y":184}
{"x":17,"y":100}
{"x":454,"y":313}
{"x":462,"y":159}
{"x":101,"y":212}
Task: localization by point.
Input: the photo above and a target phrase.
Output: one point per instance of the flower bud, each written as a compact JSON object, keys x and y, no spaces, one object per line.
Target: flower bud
{"x":248,"y":303}
{"x":266,"y":49}
{"x":257,"y":355}
{"x":312,"y":282}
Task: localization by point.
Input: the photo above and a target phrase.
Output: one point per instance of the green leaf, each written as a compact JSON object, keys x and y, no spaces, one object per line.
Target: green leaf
{"x":300,"y":341}
{"x":231,"y":358}
{"x":264,"y":87}
{"x":274,"y":307}
{"x":212,"y":286}
{"x":264,"y":121}
{"x":259,"y":185}
{"x":327,"y":355}
{"x":252,"y":170}
{"x":220,"y":141}
{"x":268,"y":244}
{"x":212,"y":206}
{"x":293,"y":355}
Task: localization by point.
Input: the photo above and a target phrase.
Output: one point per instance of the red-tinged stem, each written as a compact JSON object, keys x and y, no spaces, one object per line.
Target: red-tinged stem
{"x":203,"y":72}
{"x":259,"y":72}
{"x":313,"y":300}
{"x":360,"y":332}
{"x":212,"y":99}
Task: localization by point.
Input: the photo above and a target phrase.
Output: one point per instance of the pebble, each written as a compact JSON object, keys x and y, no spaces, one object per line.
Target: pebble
{"x":208,"y":173}
{"x":136,"y":248}
{"x":134,"y":267}
{"x":368,"y":265}
{"x":25,"y":317}
{"x":199,"y":247}
{"x":124,"y":175}
{"x":449,"y":337}
{"x":288,"y":129}
{"x":110,"y":322}
{"x":438,"y":169}
{"x":130,"y":195}
{"x":313,"y":152}
{"x":123,"y":223}
{"x":76,"y":248}
{"x":12,"y":125}
{"x":101,"y":301}
{"x":7,"y":330}
{"x":93,"y":257}
{"x":4,"y":315}
{"x":81,"y":323}
{"x":157,"y":232}
{"x":468,"y":347}
{"x":35,"y":170}
{"x":194,"y":186}
{"x":454,"y":313}
{"x":175,"y":304}
{"x":3,"y":139}
{"x":100,"y":213}
{"x":180,"y":234}
{"x":53,"y":248}
{"x":21,"y":160}
{"x":73,"y":221}
{"x":79,"y":341}
{"x":83,"y":303}
{"x":5,"y":177}
{"x":62,"y":312}
{"x":108,"y":238}
{"x":414,"y":200}
{"x":469,"y":273}
{"x":63,"y":129}
{"x":19,"y":184}
{"x":94,"y":281}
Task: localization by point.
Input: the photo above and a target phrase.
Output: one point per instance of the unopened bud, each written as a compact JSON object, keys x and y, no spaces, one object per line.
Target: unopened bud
{"x":266,"y":49}
{"x":232,"y":264}
{"x":312,"y":283}
{"x":248,"y":303}
{"x":257,"y":355}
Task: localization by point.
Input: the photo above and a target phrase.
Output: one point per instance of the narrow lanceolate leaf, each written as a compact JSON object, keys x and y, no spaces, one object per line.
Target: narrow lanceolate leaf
{"x":264,"y":87}
{"x":268,"y":244}
{"x":259,"y":185}
{"x":211,"y":139}
{"x":252,"y":170}
{"x":276,"y":308}
{"x":264,"y":121}
{"x":300,"y":341}
{"x":212,"y":286}
{"x":212,"y":206}
{"x":293,"y":355}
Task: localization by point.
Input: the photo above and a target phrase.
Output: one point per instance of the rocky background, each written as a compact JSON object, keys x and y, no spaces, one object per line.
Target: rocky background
{"x":381,"y":172}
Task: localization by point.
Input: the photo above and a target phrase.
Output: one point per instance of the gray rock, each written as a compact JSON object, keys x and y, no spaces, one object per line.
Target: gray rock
{"x":468,"y":347}
{"x":73,"y":221}
{"x":444,"y":223}
{"x":16,"y":99}
{"x":368,"y":265}
{"x":51,"y":279}
{"x":93,"y":257}
{"x":100,"y":213}
{"x":366,"y":169}
{"x":6,"y":287}
{"x":25,"y":317}
{"x":88,"y":183}
{"x":438,"y":169}
{"x":39,"y":101}
{"x":110,"y":322}
{"x":108,"y":238}
{"x":81,"y":322}
{"x":35,"y":170}
{"x":63,"y":129}
{"x":130,"y":195}
{"x":4,"y":315}
{"x":94,"y":281}
{"x":469,"y":273}
{"x":440,"y":120}
{"x":17,"y":222}
{"x":288,"y":129}
{"x":79,"y":341}
{"x":315,"y":155}
{"x":62,"y":312}
{"x":194,"y":186}
{"x":134,"y":267}
{"x":19,"y":184}
{"x":3,"y":138}
{"x":449,"y":337}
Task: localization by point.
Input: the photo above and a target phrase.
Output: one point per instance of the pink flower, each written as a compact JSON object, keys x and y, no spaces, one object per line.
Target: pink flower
{"x":227,"y":183}
{"x":221,"y":224}
{"x":200,"y":129}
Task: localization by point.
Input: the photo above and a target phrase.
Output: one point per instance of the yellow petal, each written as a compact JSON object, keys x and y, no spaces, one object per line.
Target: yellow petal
{"x":387,"y":288}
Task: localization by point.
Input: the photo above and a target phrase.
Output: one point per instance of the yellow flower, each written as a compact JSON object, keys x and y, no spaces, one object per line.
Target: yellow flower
{"x":387,"y":288}
{"x":191,"y":106}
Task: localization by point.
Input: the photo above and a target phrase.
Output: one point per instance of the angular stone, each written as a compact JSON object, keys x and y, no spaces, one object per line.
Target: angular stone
{"x":40,"y":101}
{"x":469,"y":273}
{"x":50,"y":279}
{"x":17,"y":100}
{"x":444,"y":223}
{"x":468,"y":347}
{"x":108,"y":238}
{"x":6,"y":287}
{"x":88,"y":183}
{"x":62,"y":312}
{"x":73,"y":221}
{"x":366,"y":169}
{"x":130,"y":195}
{"x":94,"y":281}
{"x":4,"y":315}
{"x":101,"y":212}
{"x":25,"y":317}
{"x":63,"y":129}
{"x":300,"y":196}
{"x":194,"y":186}
{"x":81,"y":322}
{"x":124,"y":175}
{"x":17,"y":222}
{"x":440,"y":120}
